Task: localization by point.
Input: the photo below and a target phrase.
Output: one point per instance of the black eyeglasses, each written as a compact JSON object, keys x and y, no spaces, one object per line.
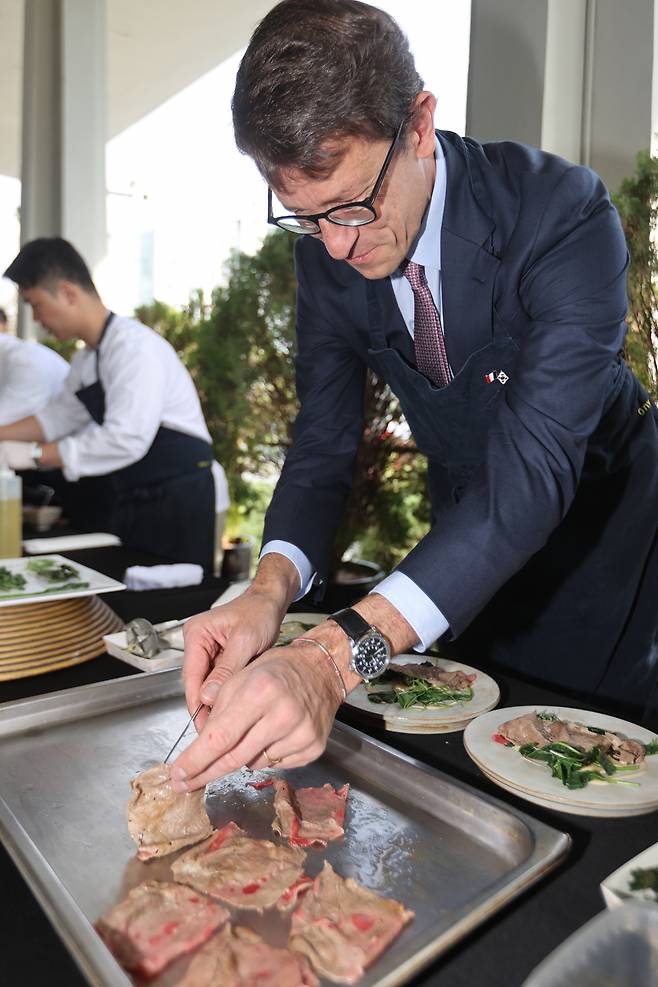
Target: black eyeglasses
{"x":348,"y":214}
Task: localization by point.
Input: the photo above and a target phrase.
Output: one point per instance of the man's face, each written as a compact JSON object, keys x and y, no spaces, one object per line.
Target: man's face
{"x":375,"y":250}
{"x":54,"y":308}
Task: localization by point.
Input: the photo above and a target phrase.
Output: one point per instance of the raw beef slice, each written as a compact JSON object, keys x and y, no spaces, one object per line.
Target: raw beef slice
{"x":162,"y":821}
{"x":239,"y":958}
{"x":157,"y":923}
{"x":309,"y":816}
{"x":242,"y":871}
{"x":342,"y":927}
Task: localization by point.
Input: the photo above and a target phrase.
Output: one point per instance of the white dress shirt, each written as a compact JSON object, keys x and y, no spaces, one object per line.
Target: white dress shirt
{"x":145,"y":385}
{"x":408,"y":598}
{"x":30,"y":375}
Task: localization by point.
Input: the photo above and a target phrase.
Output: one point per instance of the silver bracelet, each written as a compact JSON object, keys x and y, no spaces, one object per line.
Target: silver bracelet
{"x":326,"y":653}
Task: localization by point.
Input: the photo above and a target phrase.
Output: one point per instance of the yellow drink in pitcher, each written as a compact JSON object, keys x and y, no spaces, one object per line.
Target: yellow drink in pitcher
{"x":10,"y":529}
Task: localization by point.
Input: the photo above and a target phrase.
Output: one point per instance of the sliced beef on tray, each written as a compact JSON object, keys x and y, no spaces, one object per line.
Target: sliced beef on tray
{"x":237,"y":957}
{"x":532,"y":728}
{"x":309,"y":816}
{"x":240,"y":870}
{"x":162,"y":821}
{"x":342,"y":927}
{"x":157,"y":923}
{"x":433,"y":674}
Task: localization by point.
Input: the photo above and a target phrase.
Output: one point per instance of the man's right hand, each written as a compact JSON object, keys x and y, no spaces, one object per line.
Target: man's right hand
{"x":225,"y":639}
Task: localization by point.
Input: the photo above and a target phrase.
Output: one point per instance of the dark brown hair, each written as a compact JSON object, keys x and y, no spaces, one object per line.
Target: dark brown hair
{"x":315,"y":71}
{"x":43,"y":262}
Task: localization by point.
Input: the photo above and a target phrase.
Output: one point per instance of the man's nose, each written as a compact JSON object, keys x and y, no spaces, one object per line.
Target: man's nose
{"x":338,"y":240}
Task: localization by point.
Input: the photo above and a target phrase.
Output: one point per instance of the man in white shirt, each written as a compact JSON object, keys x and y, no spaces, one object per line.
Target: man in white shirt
{"x":30,"y":375}
{"x":129,"y":412}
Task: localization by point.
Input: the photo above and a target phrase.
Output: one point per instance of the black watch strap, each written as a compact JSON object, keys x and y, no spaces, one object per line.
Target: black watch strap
{"x":354,"y":625}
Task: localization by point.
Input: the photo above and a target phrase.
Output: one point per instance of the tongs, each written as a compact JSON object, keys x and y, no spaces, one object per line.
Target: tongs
{"x":146,"y":640}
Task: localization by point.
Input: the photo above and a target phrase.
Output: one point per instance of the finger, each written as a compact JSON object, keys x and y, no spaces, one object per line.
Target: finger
{"x":288,"y":754}
{"x":247,"y":752}
{"x":236,"y":653}
{"x":201,"y":650}
{"x":221,"y":733}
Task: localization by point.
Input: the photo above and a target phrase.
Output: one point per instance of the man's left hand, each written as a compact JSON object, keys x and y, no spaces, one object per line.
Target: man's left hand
{"x":18,"y":455}
{"x":277,"y":711}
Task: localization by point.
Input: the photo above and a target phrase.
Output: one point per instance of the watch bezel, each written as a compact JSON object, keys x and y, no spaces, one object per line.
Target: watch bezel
{"x":357,"y":646}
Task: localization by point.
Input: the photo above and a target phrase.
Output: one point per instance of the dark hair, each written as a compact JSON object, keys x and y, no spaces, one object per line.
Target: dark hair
{"x":317,"y":70}
{"x":3,"y":316}
{"x":47,"y":260}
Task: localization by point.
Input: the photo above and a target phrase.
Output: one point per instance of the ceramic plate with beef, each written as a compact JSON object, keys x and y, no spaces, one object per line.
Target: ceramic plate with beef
{"x":157,"y":923}
{"x":160,"y":820}
{"x":241,"y":871}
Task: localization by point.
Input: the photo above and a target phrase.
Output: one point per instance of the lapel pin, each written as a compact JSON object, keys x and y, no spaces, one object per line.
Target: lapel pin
{"x":502,"y":377}
{"x":489,"y":378}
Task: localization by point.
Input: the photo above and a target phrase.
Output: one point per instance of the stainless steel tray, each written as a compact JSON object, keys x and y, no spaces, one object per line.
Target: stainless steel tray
{"x":412,"y":833}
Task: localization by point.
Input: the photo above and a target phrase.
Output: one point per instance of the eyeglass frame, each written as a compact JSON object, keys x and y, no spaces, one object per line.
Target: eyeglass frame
{"x":366,"y":203}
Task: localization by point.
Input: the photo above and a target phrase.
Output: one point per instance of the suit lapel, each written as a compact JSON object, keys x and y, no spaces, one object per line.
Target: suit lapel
{"x":468,"y":267}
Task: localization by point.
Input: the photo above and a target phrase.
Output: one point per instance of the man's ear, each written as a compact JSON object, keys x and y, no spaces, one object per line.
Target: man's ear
{"x":70,"y":292}
{"x":421,"y":127}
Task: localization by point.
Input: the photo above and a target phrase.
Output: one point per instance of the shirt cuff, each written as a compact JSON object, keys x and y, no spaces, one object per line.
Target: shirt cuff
{"x":68,"y":453}
{"x":415,"y":606}
{"x":298,"y":559}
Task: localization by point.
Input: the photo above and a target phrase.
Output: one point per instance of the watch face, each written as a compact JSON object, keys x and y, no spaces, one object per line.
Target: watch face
{"x":371,"y":656}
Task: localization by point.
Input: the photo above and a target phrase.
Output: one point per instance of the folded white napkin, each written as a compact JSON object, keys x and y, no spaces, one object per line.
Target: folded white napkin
{"x":163,"y":576}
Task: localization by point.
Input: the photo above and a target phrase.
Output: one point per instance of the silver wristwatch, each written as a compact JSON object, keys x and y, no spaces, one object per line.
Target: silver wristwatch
{"x":371,"y":652}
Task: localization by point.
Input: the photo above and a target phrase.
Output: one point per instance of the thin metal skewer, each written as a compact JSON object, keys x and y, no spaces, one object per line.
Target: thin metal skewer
{"x":186,"y":728}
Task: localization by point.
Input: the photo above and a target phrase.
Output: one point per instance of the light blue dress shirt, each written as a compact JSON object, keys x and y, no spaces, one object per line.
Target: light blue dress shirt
{"x":414,"y":605}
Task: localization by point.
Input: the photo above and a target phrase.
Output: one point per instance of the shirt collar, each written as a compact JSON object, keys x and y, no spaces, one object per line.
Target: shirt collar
{"x":426,"y":249}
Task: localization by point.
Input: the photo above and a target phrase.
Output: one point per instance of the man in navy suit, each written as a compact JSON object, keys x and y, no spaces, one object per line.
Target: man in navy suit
{"x":487,"y":285}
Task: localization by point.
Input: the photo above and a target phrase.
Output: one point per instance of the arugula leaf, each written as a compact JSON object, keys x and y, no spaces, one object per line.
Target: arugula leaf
{"x":54,"y":572}
{"x":547,"y":716}
{"x":651,"y":747}
{"x":11,"y":580}
{"x":573,"y":767}
{"x":644,"y":879}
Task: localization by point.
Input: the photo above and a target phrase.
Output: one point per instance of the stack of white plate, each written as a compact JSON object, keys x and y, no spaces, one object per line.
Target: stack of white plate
{"x":532,"y":780}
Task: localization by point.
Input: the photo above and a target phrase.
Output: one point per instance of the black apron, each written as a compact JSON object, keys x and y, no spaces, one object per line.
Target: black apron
{"x":583,"y":612}
{"x":163,"y":504}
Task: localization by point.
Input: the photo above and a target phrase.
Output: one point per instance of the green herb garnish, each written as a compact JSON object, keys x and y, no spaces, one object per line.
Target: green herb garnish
{"x":419,"y":692}
{"x":54,"y":572}
{"x":644,"y":879}
{"x":547,"y":716}
{"x":575,"y":767}
{"x":10,"y":580}
{"x":651,"y":747}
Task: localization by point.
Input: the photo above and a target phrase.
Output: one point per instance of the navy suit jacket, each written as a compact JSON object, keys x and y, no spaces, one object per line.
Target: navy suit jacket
{"x":527,"y":238}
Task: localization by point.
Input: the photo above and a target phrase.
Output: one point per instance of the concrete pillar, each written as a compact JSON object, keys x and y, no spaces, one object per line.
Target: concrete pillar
{"x":64,"y":128}
{"x":575,"y":77}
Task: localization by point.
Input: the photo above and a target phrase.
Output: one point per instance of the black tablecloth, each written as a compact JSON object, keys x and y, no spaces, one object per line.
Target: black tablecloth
{"x":500,"y":953}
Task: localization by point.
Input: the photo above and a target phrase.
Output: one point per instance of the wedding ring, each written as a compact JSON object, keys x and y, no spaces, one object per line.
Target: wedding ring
{"x":271,"y":761}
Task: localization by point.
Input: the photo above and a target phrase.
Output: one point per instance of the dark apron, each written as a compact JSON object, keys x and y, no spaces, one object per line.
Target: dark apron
{"x":163,"y":504}
{"x":583,"y":612}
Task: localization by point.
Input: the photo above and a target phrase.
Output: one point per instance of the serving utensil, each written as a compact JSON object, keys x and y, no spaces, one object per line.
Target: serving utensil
{"x":185,"y":729}
{"x":144,"y":639}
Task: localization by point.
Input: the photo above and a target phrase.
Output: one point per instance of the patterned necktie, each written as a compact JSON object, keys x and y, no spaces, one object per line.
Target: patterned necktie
{"x":431,"y":357}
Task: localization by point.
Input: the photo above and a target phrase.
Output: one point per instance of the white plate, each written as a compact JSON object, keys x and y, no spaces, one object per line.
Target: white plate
{"x":440,"y":719}
{"x":616,"y":887}
{"x":533,"y":781}
{"x":172,"y":657}
{"x":312,"y":619}
{"x":34,"y":587}
{"x":169,"y":658}
{"x":70,"y":543}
